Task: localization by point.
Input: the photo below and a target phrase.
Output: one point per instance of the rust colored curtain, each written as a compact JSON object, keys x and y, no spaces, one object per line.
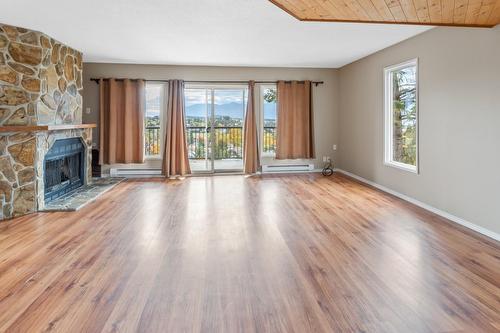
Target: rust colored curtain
{"x":294,"y":132}
{"x":175,"y":153}
{"x":121,"y":126}
{"x":251,"y":161}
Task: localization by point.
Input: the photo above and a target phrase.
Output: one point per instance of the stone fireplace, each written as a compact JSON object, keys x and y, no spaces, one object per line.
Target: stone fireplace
{"x":40,"y":116}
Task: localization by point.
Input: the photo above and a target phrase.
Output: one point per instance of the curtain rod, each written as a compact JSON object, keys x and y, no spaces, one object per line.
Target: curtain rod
{"x":316,"y":83}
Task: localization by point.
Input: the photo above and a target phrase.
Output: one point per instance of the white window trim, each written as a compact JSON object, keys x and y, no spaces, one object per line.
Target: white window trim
{"x":388,"y":120}
{"x":162,"y":121}
{"x":261,"y":114}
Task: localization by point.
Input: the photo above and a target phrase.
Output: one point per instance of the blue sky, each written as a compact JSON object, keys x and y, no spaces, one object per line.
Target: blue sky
{"x":223,"y":96}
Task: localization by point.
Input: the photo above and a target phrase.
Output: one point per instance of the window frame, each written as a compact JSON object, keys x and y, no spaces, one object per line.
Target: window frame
{"x":263,"y":87}
{"x":388,"y":116}
{"x":161,"y":119}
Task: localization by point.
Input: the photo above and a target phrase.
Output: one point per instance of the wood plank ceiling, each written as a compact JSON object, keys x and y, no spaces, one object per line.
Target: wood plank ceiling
{"x":471,"y":13}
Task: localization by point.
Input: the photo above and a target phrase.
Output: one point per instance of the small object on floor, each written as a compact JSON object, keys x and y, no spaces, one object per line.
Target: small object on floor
{"x":83,"y":195}
{"x":328,"y":169}
{"x":96,"y":167}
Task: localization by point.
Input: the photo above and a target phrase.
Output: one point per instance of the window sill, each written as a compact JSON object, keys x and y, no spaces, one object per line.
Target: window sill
{"x":402,"y":166}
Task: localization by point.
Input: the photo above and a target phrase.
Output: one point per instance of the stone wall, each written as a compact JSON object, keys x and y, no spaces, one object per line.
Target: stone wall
{"x":40,"y":79}
{"x":40,"y":84}
{"x":22,"y":158}
{"x":17,"y":176}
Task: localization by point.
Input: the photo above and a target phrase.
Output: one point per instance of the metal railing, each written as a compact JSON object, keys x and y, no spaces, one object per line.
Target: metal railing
{"x":269,"y":140}
{"x":228,"y":141}
{"x":152,"y":140}
{"x":197,"y":140}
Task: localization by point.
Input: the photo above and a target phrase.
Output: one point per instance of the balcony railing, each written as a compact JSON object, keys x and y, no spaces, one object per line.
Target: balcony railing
{"x":269,"y":140}
{"x":228,"y":141}
{"x":227,"y":144}
{"x":152,"y":140}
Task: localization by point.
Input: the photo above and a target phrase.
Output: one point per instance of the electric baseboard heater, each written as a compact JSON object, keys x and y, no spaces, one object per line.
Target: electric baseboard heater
{"x":287,"y":168}
{"x":124,"y":172}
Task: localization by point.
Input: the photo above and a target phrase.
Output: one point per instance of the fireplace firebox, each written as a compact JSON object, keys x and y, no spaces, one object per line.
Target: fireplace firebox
{"x":64,"y":168}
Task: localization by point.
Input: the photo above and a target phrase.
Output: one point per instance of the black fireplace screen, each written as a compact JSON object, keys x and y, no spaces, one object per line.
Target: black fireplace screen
{"x":64,"y":168}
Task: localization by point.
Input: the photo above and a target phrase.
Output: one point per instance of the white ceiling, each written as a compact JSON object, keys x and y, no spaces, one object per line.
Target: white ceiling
{"x":200,"y":32}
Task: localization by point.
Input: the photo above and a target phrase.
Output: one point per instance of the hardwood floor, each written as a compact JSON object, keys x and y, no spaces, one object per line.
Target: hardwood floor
{"x":237,"y":254}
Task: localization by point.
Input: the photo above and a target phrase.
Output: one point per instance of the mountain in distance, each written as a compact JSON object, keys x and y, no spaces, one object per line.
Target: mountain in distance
{"x":233,"y":110}
{"x":198,"y":110}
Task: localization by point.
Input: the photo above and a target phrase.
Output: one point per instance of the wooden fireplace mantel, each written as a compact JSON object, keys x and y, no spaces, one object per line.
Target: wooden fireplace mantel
{"x":39,"y":128}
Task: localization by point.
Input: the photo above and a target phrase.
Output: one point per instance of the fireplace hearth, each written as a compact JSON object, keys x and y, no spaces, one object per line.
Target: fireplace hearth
{"x":64,"y":168}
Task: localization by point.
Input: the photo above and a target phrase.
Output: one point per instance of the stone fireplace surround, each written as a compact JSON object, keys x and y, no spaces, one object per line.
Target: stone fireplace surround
{"x":22,"y":158}
{"x":45,"y":140}
{"x":40,"y":102}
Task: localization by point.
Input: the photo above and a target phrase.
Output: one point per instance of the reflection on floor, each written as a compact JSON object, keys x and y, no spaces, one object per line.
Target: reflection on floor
{"x":271,"y":253}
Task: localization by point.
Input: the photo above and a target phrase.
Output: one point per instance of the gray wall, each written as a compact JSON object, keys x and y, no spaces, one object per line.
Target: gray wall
{"x":459,"y":122}
{"x":325,"y":97}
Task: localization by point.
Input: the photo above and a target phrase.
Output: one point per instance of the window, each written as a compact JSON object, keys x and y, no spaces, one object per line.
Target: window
{"x":401,"y":116}
{"x":152,"y":120}
{"x":269,"y":119}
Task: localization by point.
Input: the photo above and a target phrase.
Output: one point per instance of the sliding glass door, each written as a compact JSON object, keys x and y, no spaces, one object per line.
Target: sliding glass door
{"x":198,"y":104}
{"x":227,"y":128}
{"x":214,"y":127}
{"x":153,"y":128}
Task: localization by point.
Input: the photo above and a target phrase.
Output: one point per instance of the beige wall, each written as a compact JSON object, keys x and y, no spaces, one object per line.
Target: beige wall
{"x":459,"y":122}
{"x":325,"y":97}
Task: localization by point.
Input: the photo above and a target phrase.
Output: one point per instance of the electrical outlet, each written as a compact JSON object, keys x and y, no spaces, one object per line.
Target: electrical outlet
{"x":334,"y":147}
{"x":324,"y":158}
{"x":88,"y":110}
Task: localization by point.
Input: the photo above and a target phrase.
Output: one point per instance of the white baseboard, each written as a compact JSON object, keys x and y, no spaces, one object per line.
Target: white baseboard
{"x":425,"y":206}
